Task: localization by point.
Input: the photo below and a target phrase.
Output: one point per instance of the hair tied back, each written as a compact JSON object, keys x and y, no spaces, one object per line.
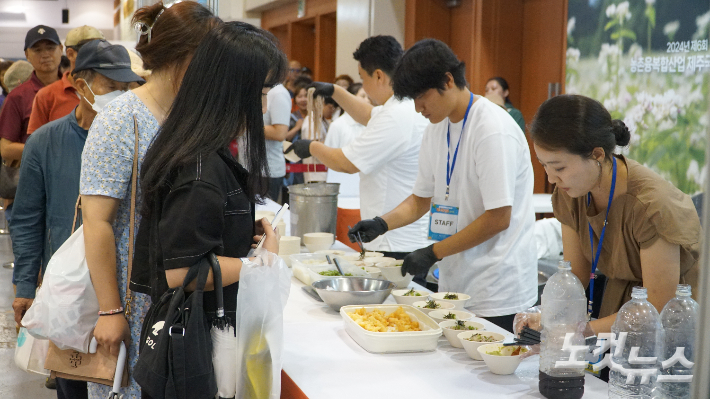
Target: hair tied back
{"x":143,"y":28}
{"x":622,"y":135}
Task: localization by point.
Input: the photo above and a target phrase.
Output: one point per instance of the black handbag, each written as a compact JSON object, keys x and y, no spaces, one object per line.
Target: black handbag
{"x":175,"y":360}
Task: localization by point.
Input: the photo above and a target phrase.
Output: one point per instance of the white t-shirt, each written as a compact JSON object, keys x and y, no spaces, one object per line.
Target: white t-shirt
{"x":342,"y":131}
{"x":278,"y":112}
{"x":493,"y":170}
{"x":387,"y":153}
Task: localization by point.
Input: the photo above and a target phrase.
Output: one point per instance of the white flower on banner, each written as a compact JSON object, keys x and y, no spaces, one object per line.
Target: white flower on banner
{"x":702,"y":22}
{"x":650,"y":2}
{"x":671,"y":28}
{"x":611,"y":104}
{"x":695,"y":173}
{"x":610,"y":11}
{"x":570,"y":25}
{"x":573,"y":55}
{"x":635,"y":51}
{"x":622,"y":11}
{"x":608,"y":51}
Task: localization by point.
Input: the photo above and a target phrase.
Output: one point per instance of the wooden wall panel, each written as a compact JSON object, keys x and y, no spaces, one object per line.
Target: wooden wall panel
{"x":544,"y":48}
{"x":325,"y":48}
{"x":426,"y":19}
{"x":302,"y":43}
{"x":289,"y":12}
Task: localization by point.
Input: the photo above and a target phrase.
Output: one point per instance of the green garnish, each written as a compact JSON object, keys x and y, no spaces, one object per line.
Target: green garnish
{"x":430,"y":304}
{"x":450,"y":316}
{"x":451,"y":296}
{"x":412,"y":293}
{"x":460,"y":325}
{"x":333,"y":273}
{"x":481,"y":338}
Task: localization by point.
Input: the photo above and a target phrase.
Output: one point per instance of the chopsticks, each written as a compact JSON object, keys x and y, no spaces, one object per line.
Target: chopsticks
{"x":359,"y":242}
{"x":527,"y":336}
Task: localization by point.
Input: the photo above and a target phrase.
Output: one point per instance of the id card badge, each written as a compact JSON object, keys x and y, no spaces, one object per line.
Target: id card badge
{"x":443,"y":221}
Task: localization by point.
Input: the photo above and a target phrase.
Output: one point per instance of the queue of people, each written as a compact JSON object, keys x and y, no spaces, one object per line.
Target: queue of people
{"x":445,"y":174}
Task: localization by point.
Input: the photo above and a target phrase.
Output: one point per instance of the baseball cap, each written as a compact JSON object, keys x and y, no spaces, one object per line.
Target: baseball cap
{"x":107,"y":59}
{"x":77,"y":35}
{"x":41,"y":32}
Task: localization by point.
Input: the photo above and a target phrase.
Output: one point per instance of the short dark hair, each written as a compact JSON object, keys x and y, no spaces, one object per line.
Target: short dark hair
{"x":354,"y":88}
{"x":424,"y":67}
{"x":87,"y":74}
{"x":301,"y":82}
{"x":503,"y":85}
{"x":578,"y":125}
{"x":379,"y":52}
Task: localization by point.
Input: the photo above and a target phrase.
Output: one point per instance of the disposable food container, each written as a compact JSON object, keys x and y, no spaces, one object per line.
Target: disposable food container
{"x":393,"y":342}
{"x":301,"y":263}
{"x":314,"y":271}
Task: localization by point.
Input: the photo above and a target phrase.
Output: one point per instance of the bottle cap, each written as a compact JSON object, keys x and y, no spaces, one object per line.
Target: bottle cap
{"x":683,"y":290}
{"x":639,"y":293}
{"x":564,"y":265}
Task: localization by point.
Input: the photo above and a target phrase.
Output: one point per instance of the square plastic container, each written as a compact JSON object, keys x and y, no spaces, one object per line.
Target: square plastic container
{"x":393,"y":342}
{"x":301,"y":263}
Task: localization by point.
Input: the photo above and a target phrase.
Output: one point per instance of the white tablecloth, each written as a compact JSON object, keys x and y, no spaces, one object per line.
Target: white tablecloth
{"x":326,"y":363}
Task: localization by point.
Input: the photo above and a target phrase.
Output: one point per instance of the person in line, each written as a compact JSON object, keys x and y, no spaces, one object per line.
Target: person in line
{"x":308,"y":133}
{"x":4,"y":65}
{"x":386,"y":154}
{"x":18,"y":73}
{"x":60,"y":98}
{"x":476,"y":176}
{"x":300,"y":100}
{"x":44,"y":51}
{"x":276,"y":122}
{"x":294,"y":71}
{"x":50,"y":170}
{"x":345,"y":129}
{"x":106,"y":169}
{"x":188,"y":166}
{"x":344,"y":81}
{"x":498,"y":93}
{"x":649,"y":230}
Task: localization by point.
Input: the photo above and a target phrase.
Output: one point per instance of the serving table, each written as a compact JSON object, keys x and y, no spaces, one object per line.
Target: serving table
{"x":320,"y":360}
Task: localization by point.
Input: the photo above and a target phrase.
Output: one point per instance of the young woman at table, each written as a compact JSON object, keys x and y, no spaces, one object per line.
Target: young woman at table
{"x":202,"y":198}
{"x":644,"y":231}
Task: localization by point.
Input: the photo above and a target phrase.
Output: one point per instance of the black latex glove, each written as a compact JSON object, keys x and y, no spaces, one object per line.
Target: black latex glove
{"x":322,"y":89}
{"x":369,"y":229}
{"x":302,"y":148}
{"x":419,"y":261}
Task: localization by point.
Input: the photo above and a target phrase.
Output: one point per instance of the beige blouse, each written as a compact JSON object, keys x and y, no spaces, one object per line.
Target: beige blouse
{"x":650,"y":208}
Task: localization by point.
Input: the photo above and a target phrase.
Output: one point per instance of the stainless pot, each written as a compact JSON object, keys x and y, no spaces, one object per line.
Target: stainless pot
{"x":314,"y":208}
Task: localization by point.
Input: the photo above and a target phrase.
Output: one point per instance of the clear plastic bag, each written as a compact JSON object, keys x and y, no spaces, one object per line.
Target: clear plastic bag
{"x":264,"y":286}
{"x":30,"y":353}
{"x":65,"y":309}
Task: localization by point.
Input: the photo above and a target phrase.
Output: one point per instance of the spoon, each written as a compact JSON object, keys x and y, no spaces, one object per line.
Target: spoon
{"x":337,"y":265}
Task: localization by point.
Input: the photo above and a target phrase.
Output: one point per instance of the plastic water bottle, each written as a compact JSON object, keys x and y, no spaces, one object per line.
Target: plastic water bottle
{"x":642,"y":323}
{"x":680,"y":319}
{"x":564,"y":309}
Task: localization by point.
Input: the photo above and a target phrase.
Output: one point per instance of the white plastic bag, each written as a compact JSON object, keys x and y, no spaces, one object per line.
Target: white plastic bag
{"x":30,"y":353}
{"x":264,"y":286}
{"x":65,"y":309}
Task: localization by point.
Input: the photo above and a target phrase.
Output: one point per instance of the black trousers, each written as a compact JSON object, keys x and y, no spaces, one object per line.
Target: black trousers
{"x":71,"y":389}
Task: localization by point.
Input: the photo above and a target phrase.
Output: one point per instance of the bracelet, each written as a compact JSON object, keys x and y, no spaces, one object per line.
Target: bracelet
{"x":110,"y":312}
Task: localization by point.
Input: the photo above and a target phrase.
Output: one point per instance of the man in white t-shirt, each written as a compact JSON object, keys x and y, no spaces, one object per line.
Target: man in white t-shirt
{"x":386,"y":153}
{"x":476,"y":179}
{"x":276,"y":120}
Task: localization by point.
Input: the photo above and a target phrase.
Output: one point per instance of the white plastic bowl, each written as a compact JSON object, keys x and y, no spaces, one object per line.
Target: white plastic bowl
{"x":458,"y":303}
{"x":442,"y":306}
{"x":453,"y":335}
{"x":331,"y":252}
{"x":438,"y":315}
{"x":394,"y":274}
{"x":500,"y":364}
{"x":318,"y":241}
{"x":471,"y":347}
{"x":408,"y":300}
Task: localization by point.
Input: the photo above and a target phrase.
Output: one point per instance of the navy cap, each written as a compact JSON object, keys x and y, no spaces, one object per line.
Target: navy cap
{"x":107,"y":59}
{"x":41,"y":32}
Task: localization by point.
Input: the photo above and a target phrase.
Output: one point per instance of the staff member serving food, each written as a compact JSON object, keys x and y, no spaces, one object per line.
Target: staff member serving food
{"x":616,"y":214}
{"x":476,"y":178}
{"x":386,"y":152}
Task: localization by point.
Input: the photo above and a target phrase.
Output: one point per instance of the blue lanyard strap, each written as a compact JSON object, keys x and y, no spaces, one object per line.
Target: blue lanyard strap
{"x":595,"y":258}
{"x":451,"y":165}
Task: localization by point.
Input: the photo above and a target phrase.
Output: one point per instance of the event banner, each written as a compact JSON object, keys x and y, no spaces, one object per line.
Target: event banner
{"x":647,"y":61}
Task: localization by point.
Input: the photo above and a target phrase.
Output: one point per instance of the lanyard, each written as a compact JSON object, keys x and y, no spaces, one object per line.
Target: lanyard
{"x":595,"y":258}
{"x":451,"y":165}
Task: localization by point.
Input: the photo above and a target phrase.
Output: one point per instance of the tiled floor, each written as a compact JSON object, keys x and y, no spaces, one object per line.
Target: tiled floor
{"x":14,"y":384}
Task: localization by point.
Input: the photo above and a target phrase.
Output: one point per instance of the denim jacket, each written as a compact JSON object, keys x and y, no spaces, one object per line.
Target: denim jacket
{"x":46,"y":197}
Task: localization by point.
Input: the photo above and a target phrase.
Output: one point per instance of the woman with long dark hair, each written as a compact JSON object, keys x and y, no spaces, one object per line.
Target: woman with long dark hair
{"x":498,"y":91}
{"x":169,"y":37}
{"x":194,"y":191}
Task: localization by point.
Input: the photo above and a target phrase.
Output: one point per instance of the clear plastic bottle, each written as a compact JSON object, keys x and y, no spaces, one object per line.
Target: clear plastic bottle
{"x":679,"y":318}
{"x":564,"y":310}
{"x":642,"y":323}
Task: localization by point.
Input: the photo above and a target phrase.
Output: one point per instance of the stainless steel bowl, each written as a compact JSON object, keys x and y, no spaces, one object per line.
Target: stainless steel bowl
{"x":342,"y":291}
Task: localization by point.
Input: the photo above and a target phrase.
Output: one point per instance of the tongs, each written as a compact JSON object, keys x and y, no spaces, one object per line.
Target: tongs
{"x":527,"y":336}
{"x":359,"y":244}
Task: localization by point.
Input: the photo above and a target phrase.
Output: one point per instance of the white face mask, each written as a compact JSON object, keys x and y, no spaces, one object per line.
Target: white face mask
{"x":101,"y":101}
